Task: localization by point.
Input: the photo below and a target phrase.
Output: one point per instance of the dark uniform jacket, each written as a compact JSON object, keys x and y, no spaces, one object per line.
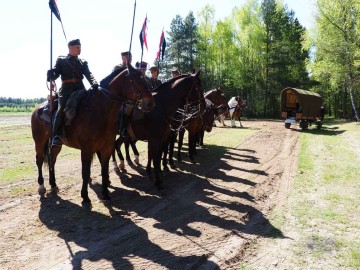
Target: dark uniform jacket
{"x":154,"y":83}
{"x":72,"y":70}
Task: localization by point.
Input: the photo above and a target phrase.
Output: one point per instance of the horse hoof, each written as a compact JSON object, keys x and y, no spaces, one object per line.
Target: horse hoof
{"x":54,"y":190}
{"x":86,"y":205}
{"x":41,"y":190}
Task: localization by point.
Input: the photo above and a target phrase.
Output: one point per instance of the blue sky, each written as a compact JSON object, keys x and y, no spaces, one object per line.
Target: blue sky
{"x":104,"y":28}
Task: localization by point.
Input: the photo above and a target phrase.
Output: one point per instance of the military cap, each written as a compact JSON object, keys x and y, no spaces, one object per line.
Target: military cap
{"x":154,"y":68}
{"x":126,"y":54}
{"x":174,"y":70}
{"x":142,"y":66}
{"x":74,"y":42}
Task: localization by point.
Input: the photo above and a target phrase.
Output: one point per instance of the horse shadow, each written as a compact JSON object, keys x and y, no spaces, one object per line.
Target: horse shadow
{"x":103,"y":237}
{"x":186,"y":193}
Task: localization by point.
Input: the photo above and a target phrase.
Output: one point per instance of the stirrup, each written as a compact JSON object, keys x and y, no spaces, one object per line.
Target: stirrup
{"x":56,"y":141}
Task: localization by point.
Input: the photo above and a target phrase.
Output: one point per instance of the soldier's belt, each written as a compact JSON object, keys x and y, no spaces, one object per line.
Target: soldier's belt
{"x":72,"y":80}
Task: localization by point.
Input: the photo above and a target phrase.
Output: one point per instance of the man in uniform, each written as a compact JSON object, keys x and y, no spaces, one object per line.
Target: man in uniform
{"x":154,"y":81}
{"x":126,"y":58}
{"x":175,"y":72}
{"x":72,"y":71}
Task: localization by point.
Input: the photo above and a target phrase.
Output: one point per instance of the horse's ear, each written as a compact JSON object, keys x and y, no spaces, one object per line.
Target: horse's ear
{"x":197,"y":74}
{"x":130,"y":68}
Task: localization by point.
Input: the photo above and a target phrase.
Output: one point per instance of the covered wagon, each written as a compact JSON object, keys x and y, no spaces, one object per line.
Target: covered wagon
{"x":303,"y":106}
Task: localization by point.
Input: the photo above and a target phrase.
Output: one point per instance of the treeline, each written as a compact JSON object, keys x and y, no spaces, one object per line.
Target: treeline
{"x":262,"y":48}
{"x":19,"y":104}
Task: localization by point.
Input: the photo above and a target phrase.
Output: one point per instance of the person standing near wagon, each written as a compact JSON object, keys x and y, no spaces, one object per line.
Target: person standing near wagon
{"x":72,"y":70}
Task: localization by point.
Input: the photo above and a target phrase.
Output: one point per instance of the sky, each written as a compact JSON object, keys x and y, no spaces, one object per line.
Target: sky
{"x":104,"y":29}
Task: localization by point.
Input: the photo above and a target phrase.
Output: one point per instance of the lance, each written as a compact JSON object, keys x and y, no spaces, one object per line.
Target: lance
{"x":132,"y":28}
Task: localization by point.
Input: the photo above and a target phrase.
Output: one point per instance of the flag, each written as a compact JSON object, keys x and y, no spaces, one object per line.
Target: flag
{"x":143,"y":36}
{"x":162,"y":46}
{"x":54,"y":9}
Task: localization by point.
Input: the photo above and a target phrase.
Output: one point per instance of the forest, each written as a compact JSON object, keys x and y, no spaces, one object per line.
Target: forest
{"x":262,"y":48}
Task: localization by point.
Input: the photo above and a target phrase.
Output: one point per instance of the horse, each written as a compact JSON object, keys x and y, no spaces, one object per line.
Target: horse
{"x":211,"y":111}
{"x":236,"y":105}
{"x":154,"y":127}
{"x":93,"y":130}
{"x":217,"y":97}
{"x":192,"y":124}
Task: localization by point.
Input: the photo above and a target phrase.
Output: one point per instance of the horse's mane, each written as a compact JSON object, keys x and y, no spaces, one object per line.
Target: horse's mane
{"x":211,"y":91}
{"x":168,"y":83}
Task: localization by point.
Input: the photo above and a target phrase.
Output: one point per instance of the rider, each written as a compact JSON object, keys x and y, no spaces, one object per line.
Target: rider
{"x":154,"y":81}
{"x":126,"y":58}
{"x":233,"y":102}
{"x":72,"y":71}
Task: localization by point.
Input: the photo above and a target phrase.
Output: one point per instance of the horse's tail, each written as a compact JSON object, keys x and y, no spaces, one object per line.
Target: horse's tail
{"x":47,"y":154}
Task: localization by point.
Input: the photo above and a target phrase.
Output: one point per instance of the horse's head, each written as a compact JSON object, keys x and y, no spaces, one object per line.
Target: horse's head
{"x":130,"y":84}
{"x":195,"y":96}
{"x":241,"y":103}
{"x":217,"y":97}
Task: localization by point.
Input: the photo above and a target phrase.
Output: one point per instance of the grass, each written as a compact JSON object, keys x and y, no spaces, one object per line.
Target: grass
{"x":324,"y":205}
{"x":18,"y":170}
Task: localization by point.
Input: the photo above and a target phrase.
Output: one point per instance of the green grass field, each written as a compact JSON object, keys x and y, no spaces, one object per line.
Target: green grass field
{"x":324,"y":204}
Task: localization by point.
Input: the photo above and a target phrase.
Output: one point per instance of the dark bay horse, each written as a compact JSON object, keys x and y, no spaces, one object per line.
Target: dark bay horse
{"x":155,"y":126}
{"x":211,"y":111}
{"x":93,"y":129}
{"x":217,"y":98}
{"x":194,"y":108}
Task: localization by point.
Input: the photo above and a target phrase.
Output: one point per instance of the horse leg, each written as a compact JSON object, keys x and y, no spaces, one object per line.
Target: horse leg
{"x":240,"y":122}
{"x":127,"y":152}
{"x":191,"y":144}
{"x":155,"y":149}
{"x":148,"y":166}
{"x":172,"y":139}
{"x":105,"y":157}
{"x":118,"y":143}
{"x":180,"y":144}
{"x":201,"y":139}
{"x":41,"y":154}
{"x":136,"y":152}
{"x":165,"y":150}
{"x":52,"y":180}
{"x":86,"y":163}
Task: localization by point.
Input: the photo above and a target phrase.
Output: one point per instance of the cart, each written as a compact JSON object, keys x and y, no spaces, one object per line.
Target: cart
{"x":303,"y":106}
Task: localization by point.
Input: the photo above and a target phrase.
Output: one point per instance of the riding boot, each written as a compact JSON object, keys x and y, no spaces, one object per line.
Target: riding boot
{"x":56,"y":141}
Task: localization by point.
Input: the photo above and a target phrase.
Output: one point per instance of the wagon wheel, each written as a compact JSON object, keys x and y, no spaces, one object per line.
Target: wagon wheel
{"x":304,"y":125}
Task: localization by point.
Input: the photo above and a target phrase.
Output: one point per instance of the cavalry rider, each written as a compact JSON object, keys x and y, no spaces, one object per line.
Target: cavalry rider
{"x":126,"y":58}
{"x":72,"y":71}
{"x":175,"y":72}
{"x":154,"y":81}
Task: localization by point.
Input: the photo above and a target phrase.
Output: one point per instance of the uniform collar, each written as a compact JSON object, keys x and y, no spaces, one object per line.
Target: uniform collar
{"x":70,"y":56}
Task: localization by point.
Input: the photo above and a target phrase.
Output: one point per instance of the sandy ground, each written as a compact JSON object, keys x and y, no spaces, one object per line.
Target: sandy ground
{"x":209,"y":220}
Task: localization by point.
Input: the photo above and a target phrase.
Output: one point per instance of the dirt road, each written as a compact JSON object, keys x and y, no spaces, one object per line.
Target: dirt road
{"x":207,"y":220}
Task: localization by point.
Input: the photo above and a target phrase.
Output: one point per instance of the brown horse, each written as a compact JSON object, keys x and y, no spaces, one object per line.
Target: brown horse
{"x":155,"y":125}
{"x":93,"y":129}
{"x":194,"y":109}
{"x":209,"y":115}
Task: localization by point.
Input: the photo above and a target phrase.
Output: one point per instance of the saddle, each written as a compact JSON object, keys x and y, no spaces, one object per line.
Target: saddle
{"x":133,"y":113}
{"x":72,"y":105}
